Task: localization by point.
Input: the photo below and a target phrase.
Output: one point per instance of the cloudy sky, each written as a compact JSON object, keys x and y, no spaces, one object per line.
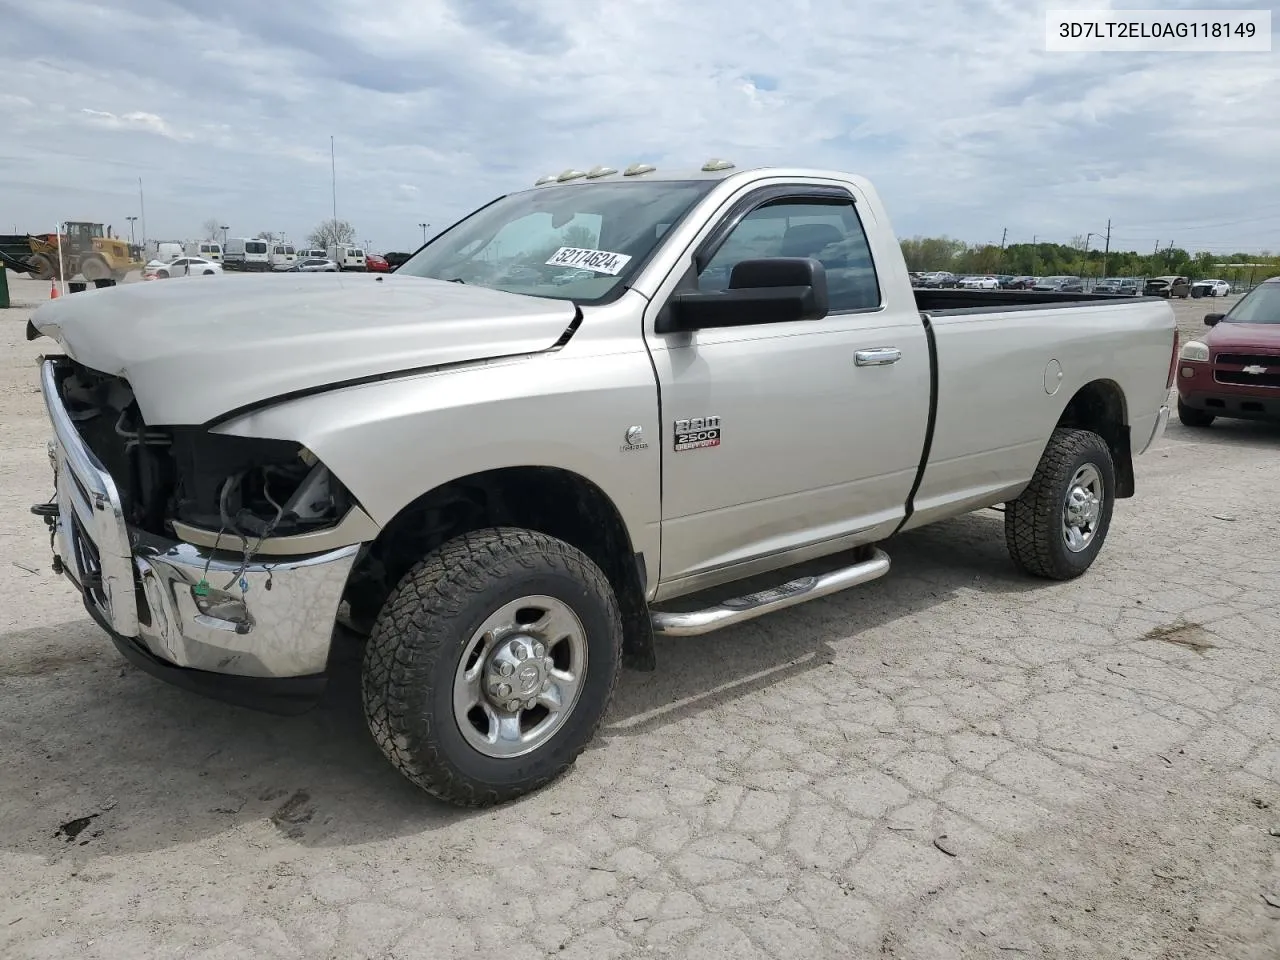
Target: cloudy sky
{"x":224,"y":109}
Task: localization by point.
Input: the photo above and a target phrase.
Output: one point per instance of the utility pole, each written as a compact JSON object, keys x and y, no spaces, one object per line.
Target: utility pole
{"x":333,"y":174}
{"x":1107,"y":249}
{"x":424,"y":232}
{"x":142,"y":209}
{"x":224,"y":236}
{"x":131,"y":222}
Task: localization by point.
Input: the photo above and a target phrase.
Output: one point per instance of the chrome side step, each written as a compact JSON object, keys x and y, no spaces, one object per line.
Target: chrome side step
{"x":742,"y":609}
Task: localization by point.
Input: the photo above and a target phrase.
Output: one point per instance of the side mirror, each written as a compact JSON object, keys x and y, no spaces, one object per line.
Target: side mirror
{"x":1211,"y":319}
{"x":768,"y":290}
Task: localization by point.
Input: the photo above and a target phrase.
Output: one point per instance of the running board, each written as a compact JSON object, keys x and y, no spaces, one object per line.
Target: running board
{"x":742,"y":609}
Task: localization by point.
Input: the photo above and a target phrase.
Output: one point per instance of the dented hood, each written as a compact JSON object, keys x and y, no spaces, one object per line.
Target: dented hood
{"x":196,"y":349}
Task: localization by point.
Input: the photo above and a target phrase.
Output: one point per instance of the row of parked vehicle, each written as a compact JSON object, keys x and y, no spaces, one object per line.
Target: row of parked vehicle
{"x":209,"y":258}
{"x":1167,"y":287}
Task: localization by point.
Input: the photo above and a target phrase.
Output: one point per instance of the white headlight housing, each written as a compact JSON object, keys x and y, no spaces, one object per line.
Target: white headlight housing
{"x":1195,"y":350}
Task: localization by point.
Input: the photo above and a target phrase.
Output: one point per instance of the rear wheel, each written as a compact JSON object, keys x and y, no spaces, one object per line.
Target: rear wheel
{"x":1191,"y":417}
{"x":492,"y":664}
{"x":1059,"y":523}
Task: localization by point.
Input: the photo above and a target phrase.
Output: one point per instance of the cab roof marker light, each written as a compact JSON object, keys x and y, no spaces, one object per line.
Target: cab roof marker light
{"x":714,"y":164}
{"x":638,"y":168}
{"x":599,"y":171}
{"x":570,"y":174}
{"x":549,"y":178}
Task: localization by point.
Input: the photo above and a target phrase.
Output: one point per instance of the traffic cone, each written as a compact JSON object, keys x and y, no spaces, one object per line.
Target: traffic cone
{"x":53,"y":290}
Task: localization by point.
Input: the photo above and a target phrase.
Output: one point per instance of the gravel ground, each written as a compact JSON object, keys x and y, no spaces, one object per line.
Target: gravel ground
{"x":952,"y":762}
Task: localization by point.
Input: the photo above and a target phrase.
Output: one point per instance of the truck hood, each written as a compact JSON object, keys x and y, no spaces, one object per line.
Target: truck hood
{"x":1236,"y":336}
{"x":196,"y":349}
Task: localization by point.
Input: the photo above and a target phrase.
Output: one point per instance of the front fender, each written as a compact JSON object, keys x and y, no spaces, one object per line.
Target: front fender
{"x":391,"y":441}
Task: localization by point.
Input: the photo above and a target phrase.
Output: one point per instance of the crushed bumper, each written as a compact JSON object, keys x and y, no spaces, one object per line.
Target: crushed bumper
{"x":256,"y":633}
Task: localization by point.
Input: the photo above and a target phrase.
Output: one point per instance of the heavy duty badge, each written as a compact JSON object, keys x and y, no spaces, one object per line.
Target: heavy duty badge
{"x":696,"y":433}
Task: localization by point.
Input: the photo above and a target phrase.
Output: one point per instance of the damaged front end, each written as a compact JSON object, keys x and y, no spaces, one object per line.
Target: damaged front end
{"x":204,"y":552}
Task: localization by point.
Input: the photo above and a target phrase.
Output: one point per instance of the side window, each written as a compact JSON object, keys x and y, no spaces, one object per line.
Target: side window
{"x":830,"y":232}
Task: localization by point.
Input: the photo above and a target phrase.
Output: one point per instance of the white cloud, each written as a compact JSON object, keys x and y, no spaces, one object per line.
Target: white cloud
{"x":953,"y":109}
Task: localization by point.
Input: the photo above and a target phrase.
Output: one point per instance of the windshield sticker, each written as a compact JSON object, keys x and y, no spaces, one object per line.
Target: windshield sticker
{"x":601,"y":261}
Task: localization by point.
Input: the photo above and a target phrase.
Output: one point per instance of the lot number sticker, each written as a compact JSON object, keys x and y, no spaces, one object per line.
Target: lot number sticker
{"x":601,"y":261}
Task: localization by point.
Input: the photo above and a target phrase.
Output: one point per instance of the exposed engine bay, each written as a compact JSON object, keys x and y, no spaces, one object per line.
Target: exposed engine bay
{"x":243,"y":488}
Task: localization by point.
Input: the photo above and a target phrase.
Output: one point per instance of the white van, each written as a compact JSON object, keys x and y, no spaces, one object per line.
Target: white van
{"x":283,"y":256}
{"x":246,"y":253}
{"x":165,"y":251}
{"x":208,"y":249}
{"x":348,"y":257}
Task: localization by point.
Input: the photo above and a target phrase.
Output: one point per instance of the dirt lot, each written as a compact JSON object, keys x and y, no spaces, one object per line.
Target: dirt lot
{"x":953,"y":762}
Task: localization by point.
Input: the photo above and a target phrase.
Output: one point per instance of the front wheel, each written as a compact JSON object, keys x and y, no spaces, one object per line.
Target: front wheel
{"x":1191,"y":417}
{"x":491,"y":665}
{"x":1059,"y":523}
{"x":95,"y":269}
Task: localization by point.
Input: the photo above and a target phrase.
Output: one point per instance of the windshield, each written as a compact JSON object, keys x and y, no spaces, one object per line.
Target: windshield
{"x":1260,"y":306}
{"x":578,"y":241}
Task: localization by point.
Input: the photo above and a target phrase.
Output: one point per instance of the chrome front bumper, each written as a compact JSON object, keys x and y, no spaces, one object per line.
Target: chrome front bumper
{"x":187,"y":606}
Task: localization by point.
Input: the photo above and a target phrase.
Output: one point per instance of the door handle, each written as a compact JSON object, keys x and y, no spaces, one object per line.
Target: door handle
{"x":877,"y":357}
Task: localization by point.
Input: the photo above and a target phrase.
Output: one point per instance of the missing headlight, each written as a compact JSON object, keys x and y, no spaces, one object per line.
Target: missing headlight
{"x":252,"y":487}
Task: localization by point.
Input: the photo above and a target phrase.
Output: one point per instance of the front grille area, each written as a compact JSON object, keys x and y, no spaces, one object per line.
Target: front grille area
{"x":1249,"y":359}
{"x":1248,"y":369}
{"x":1242,"y":379}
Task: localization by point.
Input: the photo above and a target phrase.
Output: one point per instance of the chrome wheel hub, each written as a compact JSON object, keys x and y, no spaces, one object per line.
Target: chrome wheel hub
{"x":520,"y":676}
{"x":1082,"y":511}
{"x":516,"y":672}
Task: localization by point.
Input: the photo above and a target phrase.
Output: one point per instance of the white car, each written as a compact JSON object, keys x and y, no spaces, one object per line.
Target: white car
{"x":316,"y":265}
{"x":1213,"y":288}
{"x":182,"y":267}
{"x":980,"y":283}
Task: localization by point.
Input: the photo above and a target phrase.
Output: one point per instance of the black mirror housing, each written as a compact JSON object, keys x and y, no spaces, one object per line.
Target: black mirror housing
{"x":766,"y":290}
{"x":1212,"y":319}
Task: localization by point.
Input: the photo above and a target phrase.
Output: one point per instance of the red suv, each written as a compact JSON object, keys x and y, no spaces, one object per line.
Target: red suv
{"x":1234,"y":371}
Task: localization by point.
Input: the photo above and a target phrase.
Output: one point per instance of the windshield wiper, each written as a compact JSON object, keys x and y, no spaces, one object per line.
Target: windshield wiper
{"x":458,"y":280}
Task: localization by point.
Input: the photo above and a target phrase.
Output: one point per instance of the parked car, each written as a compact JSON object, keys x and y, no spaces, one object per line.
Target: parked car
{"x":376,"y":264}
{"x":1121,"y":286}
{"x":1167,"y":287}
{"x":1060,"y":284}
{"x":181,"y":267}
{"x":1234,"y":370}
{"x":1211,"y":288}
{"x":503,"y":488}
{"x":1020,"y":283}
{"x":986,"y":282}
{"x":316,"y":265}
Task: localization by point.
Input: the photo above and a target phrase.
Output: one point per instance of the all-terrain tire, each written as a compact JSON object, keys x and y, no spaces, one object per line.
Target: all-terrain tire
{"x":1191,"y":417}
{"x":422,"y":632}
{"x":1034,"y":525}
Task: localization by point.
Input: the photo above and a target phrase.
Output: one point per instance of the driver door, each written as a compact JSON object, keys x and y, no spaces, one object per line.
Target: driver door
{"x":818,"y":424}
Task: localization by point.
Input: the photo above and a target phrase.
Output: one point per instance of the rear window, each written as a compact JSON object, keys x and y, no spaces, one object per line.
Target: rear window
{"x":255,"y":246}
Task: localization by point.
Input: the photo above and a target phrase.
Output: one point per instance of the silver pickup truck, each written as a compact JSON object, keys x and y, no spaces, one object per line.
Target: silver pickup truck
{"x":500,"y":462}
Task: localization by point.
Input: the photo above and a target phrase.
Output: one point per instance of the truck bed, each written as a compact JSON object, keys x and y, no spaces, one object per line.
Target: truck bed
{"x":957,"y":300}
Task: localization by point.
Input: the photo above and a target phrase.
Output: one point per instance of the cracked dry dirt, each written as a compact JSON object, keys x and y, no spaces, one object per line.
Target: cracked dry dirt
{"x":953,"y":762}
